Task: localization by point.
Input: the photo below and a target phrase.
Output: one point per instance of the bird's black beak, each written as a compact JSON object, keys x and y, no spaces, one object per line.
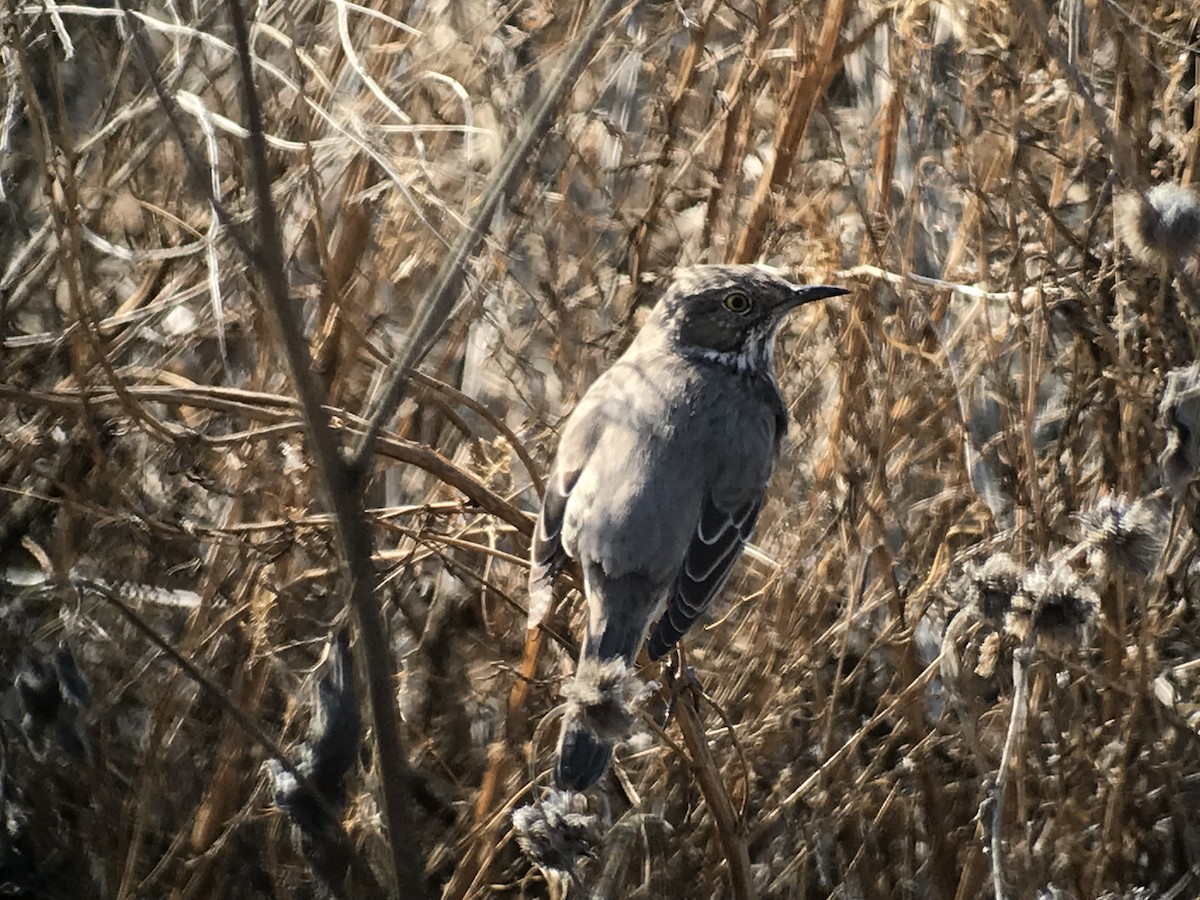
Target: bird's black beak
{"x":807,"y":293}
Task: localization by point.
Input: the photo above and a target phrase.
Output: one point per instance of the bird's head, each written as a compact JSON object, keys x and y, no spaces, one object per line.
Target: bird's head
{"x":729,"y":314}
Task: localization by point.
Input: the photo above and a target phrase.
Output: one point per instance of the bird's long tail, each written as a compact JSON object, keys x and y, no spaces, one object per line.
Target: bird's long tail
{"x":582,"y":757}
{"x":600,"y":700}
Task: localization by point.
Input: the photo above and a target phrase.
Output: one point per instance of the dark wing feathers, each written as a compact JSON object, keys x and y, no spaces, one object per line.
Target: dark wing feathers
{"x":714,"y":522}
{"x":547,"y":536}
{"x":546,"y":553}
{"x":719,"y":539}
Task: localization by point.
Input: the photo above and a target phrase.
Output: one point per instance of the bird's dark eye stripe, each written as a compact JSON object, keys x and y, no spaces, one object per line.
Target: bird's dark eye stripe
{"x":737,"y":302}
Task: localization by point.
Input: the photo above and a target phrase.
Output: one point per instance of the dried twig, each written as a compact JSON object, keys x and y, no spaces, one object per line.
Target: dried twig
{"x":1022,"y":657}
{"x":720,"y":804}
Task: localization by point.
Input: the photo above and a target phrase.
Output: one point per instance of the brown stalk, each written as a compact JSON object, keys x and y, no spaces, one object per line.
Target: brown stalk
{"x":809,"y":84}
{"x":342,"y":492}
{"x":730,"y":828}
{"x":339,"y":268}
{"x":737,"y":122}
{"x":687,"y":73}
{"x":501,"y":763}
{"x":495,"y":421}
{"x":879,"y":192}
{"x":1018,"y":716}
{"x":88,"y":349}
{"x":974,"y":872}
{"x":830,"y":767}
{"x":831,"y":704}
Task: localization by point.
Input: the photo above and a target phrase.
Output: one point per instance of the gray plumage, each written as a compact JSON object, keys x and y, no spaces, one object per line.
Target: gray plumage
{"x":661,"y":471}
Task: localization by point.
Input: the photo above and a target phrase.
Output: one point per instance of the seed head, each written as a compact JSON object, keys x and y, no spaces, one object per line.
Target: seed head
{"x":1052,"y":603}
{"x":556,"y":831}
{"x":1129,"y":532}
{"x":604,"y":698}
{"x":988,"y":589}
{"x":1164,"y":224}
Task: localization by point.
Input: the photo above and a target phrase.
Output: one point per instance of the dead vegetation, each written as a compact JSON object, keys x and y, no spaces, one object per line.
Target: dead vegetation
{"x":962,"y":657}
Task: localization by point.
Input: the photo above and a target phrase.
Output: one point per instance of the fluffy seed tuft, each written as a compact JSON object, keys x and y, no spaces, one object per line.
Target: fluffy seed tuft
{"x":604,"y":697}
{"x":1052,"y":603}
{"x":556,"y":831}
{"x":988,"y":589}
{"x":1129,"y":532}
{"x":1165,"y":225}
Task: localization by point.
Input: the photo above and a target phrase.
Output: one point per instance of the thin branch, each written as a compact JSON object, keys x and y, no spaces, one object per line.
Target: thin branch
{"x":280,"y":413}
{"x":937,"y":284}
{"x":1016,"y":728}
{"x":342,"y":495}
{"x":720,"y":804}
{"x":807,"y":85}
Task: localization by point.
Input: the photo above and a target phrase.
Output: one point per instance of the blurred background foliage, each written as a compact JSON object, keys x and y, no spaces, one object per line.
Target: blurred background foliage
{"x":972,"y":171}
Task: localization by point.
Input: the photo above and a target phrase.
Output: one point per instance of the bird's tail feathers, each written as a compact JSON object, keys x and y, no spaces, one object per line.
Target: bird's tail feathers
{"x":601,"y":703}
{"x":602,"y":706}
{"x":582,"y":756}
{"x":603,"y":698}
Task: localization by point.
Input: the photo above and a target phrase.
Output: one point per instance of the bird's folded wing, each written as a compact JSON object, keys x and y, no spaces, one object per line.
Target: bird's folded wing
{"x":719,"y":539}
{"x":546,"y":553}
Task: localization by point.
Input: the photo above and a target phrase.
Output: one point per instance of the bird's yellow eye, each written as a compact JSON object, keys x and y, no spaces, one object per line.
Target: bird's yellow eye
{"x":737,"y":302}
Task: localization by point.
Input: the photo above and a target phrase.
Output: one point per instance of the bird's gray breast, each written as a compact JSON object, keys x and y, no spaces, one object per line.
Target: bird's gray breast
{"x":661,"y":435}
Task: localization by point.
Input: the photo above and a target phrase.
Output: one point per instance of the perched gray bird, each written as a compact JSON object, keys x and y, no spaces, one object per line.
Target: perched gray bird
{"x":660,"y":475}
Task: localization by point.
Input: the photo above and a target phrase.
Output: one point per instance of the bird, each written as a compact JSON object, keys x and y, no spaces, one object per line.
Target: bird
{"x":659,"y":476}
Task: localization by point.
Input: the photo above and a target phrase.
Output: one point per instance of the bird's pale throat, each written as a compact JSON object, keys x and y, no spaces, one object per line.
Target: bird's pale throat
{"x":755,"y":354}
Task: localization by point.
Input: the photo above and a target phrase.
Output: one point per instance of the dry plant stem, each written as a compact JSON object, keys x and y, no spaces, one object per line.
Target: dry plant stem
{"x":687,"y":72}
{"x":880,"y":186}
{"x":342,"y":494}
{"x":1117,"y":795}
{"x":974,"y":871}
{"x":362,"y":871}
{"x":1041,"y":27}
{"x":278,"y":411}
{"x":1117,"y":143}
{"x":89,"y":348}
{"x":484,"y":840}
{"x":736,"y":122}
{"x":936,"y":284}
{"x":475,"y":406}
{"x":1033,"y":351}
{"x":1016,"y":728}
{"x":805,"y":90}
{"x":487,"y":825}
{"x":729,"y":828}
{"x":849,"y":747}
{"x":860,"y":584}
{"x":434,"y":312}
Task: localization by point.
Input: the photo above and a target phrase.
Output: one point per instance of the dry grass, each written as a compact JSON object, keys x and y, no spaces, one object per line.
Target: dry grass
{"x":173,"y":574}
